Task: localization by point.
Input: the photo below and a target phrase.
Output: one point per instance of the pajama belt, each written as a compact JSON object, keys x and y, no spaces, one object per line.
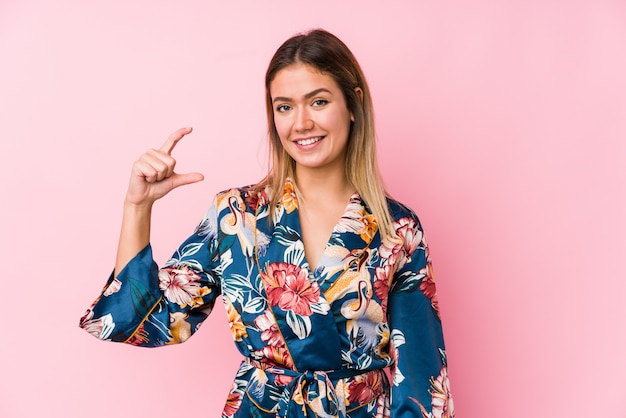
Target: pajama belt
{"x":312,"y":390}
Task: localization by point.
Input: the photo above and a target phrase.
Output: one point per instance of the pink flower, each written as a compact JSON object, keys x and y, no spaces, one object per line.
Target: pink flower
{"x":113,"y":287}
{"x":411,"y":235}
{"x":289,"y":288}
{"x":383,"y":277}
{"x":399,"y":251}
{"x":390,"y":250}
{"x":254,"y":200}
{"x":275,"y":356}
{"x":282,"y":379}
{"x":427,"y":286}
{"x":269,"y":329}
{"x":443,"y":406}
{"x":99,"y":327}
{"x":180,"y":285}
{"x":233,"y":402}
{"x":365,"y":387}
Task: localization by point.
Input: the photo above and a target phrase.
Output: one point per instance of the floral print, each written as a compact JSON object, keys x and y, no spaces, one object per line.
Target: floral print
{"x":288,"y":287}
{"x":315,"y":342}
{"x":237,"y":328}
{"x":442,"y":403}
{"x":181,"y":286}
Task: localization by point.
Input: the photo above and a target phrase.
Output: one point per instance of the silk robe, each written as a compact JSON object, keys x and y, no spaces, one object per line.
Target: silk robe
{"x":358,"y":336}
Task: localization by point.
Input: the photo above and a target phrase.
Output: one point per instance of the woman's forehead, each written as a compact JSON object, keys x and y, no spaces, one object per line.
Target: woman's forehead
{"x":298,"y":80}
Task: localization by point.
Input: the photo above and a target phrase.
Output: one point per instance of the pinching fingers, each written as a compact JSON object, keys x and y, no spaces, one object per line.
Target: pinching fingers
{"x":173,"y":139}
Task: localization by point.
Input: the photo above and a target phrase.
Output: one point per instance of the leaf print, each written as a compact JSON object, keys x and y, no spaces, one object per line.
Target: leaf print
{"x":227,"y":242}
{"x":258,"y":285}
{"x":192,"y":264}
{"x":397,"y":338}
{"x":254,"y":305}
{"x":408,"y":281}
{"x":257,"y":383}
{"x":227,"y":260}
{"x":294,"y":254}
{"x":238,"y":281}
{"x":335,"y":240}
{"x":234,"y":287}
{"x":364,"y":361}
{"x":286,"y":236}
{"x":398,"y":377}
{"x":141,"y":298}
{"x":300,"y":325}
{"x":321,"y":308}
{"x":191,"y":249}
{"x":207,"y":228}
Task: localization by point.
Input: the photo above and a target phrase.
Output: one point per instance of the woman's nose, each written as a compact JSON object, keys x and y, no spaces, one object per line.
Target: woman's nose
{"x":303,"y":122}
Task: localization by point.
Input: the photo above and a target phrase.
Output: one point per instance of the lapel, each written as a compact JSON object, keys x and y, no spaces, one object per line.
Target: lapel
{"x":346,"y":248}
{"x":281,"y":258}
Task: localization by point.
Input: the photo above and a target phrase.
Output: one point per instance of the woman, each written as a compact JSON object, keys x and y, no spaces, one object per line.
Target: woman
{"x":326,"y":281}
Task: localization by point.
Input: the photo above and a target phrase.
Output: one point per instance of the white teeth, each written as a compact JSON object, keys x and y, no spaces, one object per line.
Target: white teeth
{"x":309,"y":141}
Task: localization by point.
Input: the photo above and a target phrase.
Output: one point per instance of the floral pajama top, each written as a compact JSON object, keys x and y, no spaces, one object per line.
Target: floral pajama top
{"x":316,"y":343}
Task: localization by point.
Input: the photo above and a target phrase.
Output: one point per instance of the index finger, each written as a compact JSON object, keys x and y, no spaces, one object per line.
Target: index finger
{"x":173,"y":139}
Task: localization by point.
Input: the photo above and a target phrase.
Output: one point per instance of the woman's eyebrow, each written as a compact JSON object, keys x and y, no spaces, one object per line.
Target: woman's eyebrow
{"x":306,"y":96}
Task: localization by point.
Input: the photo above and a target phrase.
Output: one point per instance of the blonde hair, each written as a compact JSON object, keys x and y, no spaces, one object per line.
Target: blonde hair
{"x":328,"y":54}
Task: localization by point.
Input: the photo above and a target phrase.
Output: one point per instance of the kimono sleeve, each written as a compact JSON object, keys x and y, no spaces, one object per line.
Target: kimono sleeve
{"x":420,"y":379}
{"x":148,"y":306}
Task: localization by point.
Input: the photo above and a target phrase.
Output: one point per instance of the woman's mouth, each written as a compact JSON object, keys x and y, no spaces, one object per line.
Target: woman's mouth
{"x":309,"y":141}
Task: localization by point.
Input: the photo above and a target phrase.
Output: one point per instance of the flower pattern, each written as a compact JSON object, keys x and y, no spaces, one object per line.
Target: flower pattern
{"x":289,"y":288}
{"x":181,"y":285}
{"x":237,"y":328}
{"x":442,"y":405}
{"x":365,"y":388}
{"x":316,"y":341}
{"x":289,"y":199}
{"x":113,"y":287}
{"x":427,"y":285}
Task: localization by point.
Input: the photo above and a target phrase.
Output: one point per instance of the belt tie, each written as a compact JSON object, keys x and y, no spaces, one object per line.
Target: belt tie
{"x":311,"y":390}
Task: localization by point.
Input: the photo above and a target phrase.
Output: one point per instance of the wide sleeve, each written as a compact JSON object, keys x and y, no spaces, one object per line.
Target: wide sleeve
{"x":148,"y":306}
{"x":420,"y":379}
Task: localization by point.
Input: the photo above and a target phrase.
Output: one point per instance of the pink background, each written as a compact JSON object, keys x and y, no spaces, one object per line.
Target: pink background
{"x":502,"y":123}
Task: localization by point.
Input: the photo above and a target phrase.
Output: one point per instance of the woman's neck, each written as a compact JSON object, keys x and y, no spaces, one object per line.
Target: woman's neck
{"x":323,"y":185}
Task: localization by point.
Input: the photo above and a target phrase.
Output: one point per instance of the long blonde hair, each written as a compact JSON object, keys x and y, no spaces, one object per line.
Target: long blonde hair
{"x":328,"y":54}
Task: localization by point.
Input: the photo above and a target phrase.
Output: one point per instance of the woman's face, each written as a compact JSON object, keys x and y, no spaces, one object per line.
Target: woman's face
{"x":311,"y":117}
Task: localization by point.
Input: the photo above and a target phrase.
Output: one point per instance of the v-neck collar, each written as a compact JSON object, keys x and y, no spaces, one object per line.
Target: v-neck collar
{"x":350,"y":237}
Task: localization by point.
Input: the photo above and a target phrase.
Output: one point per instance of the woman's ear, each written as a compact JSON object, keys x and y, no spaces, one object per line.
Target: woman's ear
{"x":359,"y":92}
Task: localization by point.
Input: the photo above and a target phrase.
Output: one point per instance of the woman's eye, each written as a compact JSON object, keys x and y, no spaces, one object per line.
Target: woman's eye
{"x":282,"y":108}
{"x":319,"y":102}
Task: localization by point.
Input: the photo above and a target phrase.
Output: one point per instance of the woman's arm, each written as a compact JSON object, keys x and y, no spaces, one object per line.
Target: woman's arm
{"x":152,"y":177}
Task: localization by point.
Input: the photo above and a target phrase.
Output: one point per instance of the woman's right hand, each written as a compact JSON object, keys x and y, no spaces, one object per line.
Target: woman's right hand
{"x":153,"y":175}
{"x":152,"y":178}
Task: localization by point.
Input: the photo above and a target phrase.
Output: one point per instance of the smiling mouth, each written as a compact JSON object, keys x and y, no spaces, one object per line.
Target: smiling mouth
{"x":309,"y":141}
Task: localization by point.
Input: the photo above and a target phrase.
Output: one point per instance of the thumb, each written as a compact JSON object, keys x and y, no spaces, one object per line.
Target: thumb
{"x":184,"y":179}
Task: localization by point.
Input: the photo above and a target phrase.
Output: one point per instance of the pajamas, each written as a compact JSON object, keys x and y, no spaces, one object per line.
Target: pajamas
{"x":358,"y":336}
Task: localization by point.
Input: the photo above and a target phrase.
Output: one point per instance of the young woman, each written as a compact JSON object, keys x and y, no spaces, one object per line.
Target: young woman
{"x":326,"y":281}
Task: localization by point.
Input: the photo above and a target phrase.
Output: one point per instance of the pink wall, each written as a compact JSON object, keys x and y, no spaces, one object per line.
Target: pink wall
{"x":502,"y":123}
